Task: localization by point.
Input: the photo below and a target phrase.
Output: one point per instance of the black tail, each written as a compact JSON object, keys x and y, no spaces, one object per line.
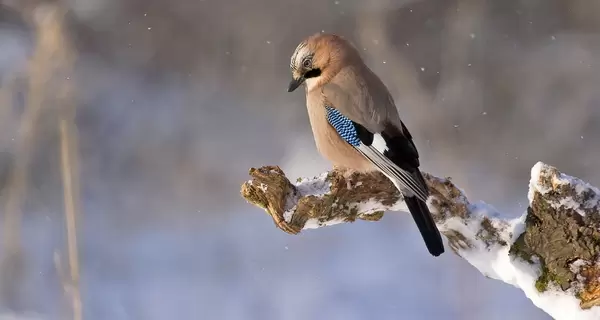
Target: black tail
{"x":429,"y":231}
{"x":403,"y":152}
{"x":431,"y":235}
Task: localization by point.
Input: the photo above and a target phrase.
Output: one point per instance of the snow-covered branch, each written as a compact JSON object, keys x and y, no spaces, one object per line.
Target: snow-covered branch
{"x":550,"y":252}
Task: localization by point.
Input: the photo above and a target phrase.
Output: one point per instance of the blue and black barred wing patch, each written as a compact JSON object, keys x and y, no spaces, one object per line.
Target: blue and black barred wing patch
{"x":362,"y":139}
{"x":350,"y":131}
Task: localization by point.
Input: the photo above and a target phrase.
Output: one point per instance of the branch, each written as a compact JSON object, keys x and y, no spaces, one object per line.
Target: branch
{"x":550,"y":252}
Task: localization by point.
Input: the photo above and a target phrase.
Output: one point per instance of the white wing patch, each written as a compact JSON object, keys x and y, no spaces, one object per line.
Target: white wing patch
{"x":379,"y":143}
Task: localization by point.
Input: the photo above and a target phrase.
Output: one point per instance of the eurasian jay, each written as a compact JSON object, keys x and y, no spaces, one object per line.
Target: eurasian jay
{"x":356,"y":125}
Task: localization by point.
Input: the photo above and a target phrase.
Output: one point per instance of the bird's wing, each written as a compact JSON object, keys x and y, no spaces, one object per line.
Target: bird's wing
{"x":362,"y":111}
{"x":391,"y":152}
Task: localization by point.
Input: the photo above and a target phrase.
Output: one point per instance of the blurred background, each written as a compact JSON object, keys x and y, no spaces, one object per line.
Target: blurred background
{"x":156,"y":109}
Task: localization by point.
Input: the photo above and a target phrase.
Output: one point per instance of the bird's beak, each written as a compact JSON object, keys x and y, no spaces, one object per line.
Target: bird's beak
{"x":295,"y":83}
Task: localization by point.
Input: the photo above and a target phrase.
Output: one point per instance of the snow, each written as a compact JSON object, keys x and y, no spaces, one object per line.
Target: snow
{"x":533,"y":182}
{"x":497,"y":264}
{"x":317,"y":186}
{"x":495,"y":261}
{"x":580,"y":186}
{"x":315,"y":223}
{"x":371,"y":206}
{"x":569,"y":203}
{"x":577,"y":264}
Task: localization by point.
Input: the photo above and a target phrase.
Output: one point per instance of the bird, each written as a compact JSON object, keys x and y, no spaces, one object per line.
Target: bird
{"x":356,"y":125}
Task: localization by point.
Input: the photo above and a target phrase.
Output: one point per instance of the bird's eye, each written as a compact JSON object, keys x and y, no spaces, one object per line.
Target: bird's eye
{"x":306,"y":63}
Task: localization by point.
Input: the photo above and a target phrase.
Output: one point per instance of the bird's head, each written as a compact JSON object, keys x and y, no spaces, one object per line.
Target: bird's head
{"x":318,"y":58}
